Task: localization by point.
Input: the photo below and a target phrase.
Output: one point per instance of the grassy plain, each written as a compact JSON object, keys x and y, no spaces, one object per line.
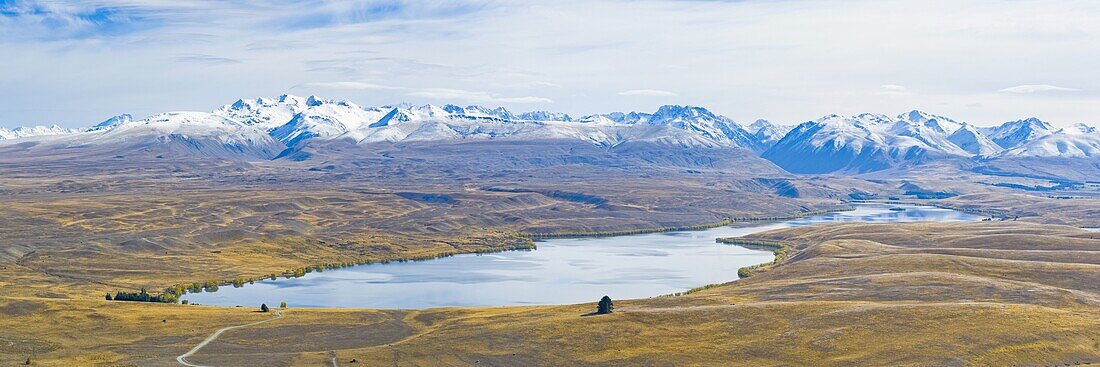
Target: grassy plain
{"x":990,"y":293}
{"x":84,"y":231}
{"x":987,"y":294}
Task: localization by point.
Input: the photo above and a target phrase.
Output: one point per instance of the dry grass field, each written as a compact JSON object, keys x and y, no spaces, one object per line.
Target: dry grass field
{"x":990,"y":293}
{"x":81,"y":230}
{"x":983,"y":294}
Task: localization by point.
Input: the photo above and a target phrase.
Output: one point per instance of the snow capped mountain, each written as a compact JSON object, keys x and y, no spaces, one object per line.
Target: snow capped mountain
{"x":939,"y":124}
{"x":929,"y":131}
{"x":1060,"y":145}
{"x":766,"y":132}
{"x":112,"y":122}
{"x":861,"y":143}
{"x":719,"y":129}
{"x":1015,"y":133}
{"x":1076,"y":141}
{"x":190,"y":134}
{"x":972,"y":140}
{"x":544,"y":116}
{"x":264,"y":113}
{"x":199,"y":132}
{"x":671,"y":125}
{"x":326,"y":119}
{"x":1078,"y":129}
{"x":263,"y":127}
{"x":25,"y":132}
{"x":480,"y":112}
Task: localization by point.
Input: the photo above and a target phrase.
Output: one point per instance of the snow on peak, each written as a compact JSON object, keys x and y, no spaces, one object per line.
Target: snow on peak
{"x":1060,"y":145}
{"x":476,"y":111}
{"x":860,"y":142}
{"x":863,"y":143}
{"x":766,"y":132}
{"x":31,"y":131}
{"x":1016,"y":133}
{"x":940,"y":124}
{"x":326,"y":119}
{"x":1078,"y":129}
{"x":264,"y":113}
{"x":114,"y":121}
{"x":974,"y":141}
{"x":544,"y":116}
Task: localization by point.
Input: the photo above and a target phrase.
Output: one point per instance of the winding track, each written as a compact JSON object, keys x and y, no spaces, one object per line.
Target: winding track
{"x":182,"y":359}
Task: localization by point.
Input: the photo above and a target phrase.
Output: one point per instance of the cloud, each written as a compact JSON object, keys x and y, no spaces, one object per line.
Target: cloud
{"x":206,"y":59}
{"x":1037,"y":88}
{"x":49,"y":20}
{"x":747,"y":59}
{"x":894,"y":90}
{"x":647,"y":93}
{"x":271,"y":44}
{"x":523,"y":100}
{"x":475,"y":96}
{"x":340,"y":13}
{"x":344,"y":85}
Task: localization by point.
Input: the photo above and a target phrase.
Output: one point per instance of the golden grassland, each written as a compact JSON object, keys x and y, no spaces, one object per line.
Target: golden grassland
{"x":984,"y":294}
{"x":82,"y":236}
{"x":1053,"y":208}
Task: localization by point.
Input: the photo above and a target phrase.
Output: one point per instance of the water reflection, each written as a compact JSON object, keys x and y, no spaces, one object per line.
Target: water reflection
{"x":560,"y":271}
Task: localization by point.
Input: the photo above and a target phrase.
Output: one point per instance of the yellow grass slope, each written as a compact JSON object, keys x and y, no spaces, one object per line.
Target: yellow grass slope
{"x":982,"y":294}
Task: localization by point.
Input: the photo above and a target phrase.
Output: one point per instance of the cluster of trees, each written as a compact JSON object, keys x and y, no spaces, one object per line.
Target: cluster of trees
{"x":696,"y":289}
{"x":723,"y":222}
{"x":264,"y":308}
{"x":142,"y":296}
{"x":173,"y":293}
{"x":801,"y":214}
{"x":780,"y":249}
{"x":605,"y":306}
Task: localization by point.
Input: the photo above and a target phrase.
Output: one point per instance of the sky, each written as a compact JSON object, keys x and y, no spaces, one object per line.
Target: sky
{"x":75,"y":63}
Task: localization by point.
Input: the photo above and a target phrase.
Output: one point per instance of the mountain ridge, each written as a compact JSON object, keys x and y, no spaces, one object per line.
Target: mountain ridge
{"x":263,"y":128}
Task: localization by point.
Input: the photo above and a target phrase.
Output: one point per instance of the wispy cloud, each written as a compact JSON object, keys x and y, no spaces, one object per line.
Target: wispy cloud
{"x":1037,"y":88}
{"x":344,"y":85}
{"x":206,"y":59}
{"x":647,"y":93}
{"x":474,"y":96}
{"x":743,"y":58}
{"x":339,"y":13}
{"x":50,"y":20}
{"x":894,"y":90}
{"x":271,"y":44}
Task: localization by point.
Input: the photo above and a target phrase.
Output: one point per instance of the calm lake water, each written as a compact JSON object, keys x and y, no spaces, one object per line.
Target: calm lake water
{"x":560,"y":271}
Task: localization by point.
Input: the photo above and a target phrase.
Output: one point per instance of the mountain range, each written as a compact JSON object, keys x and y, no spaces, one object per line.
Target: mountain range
{"x":273,"y":128}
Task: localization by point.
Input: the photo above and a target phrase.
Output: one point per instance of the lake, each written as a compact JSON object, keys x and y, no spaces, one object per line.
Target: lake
{"x":560,"y":271}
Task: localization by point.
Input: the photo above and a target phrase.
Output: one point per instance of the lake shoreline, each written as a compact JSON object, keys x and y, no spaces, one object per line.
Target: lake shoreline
{"x":514,"y":278}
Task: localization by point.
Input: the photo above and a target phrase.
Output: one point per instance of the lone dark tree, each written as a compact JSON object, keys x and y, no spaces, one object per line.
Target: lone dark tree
{"x":605,"y":306}
{"x":263,"y":308}
{"x":108,"y":296}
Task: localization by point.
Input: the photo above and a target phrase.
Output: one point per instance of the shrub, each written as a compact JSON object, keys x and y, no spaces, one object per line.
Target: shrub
{"x":144,"y":296}
{"x":263,"y":308}
{"x":605,"y":306}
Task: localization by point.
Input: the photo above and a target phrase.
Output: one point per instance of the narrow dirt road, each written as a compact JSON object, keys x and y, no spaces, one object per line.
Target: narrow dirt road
{"x":182,"y":359}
